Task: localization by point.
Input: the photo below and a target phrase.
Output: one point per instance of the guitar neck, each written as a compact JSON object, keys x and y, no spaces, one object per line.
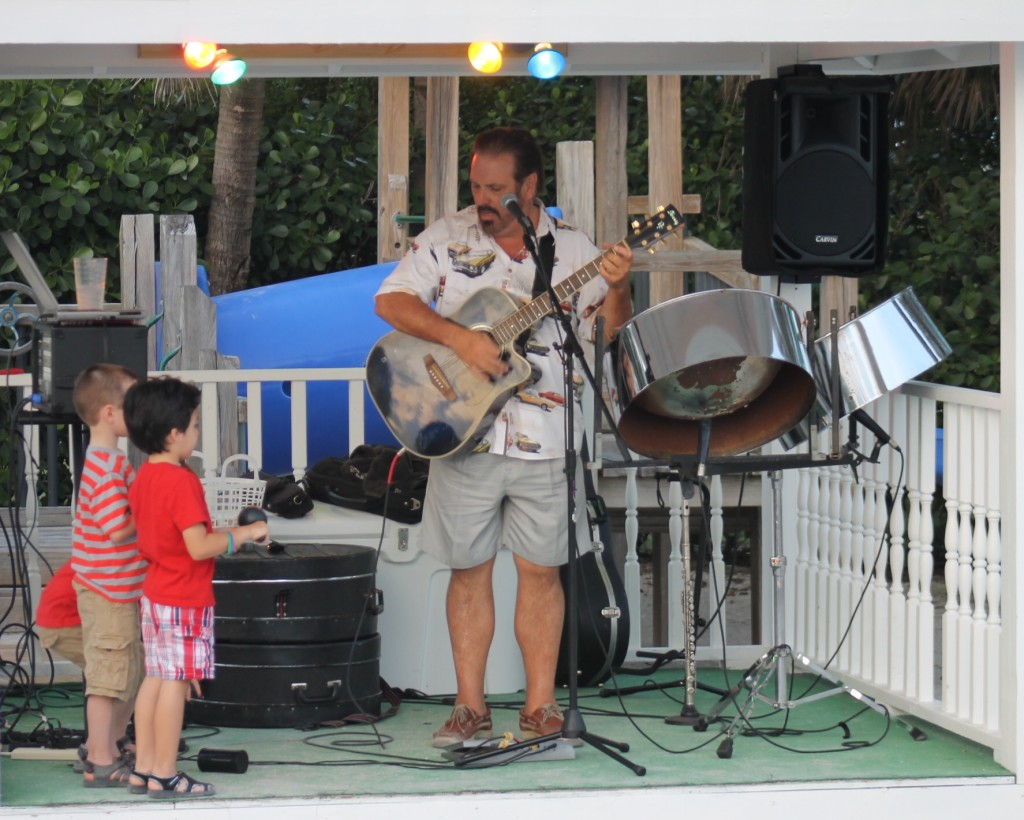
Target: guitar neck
{"x":512,"y":326}
{"x":645,"y":235}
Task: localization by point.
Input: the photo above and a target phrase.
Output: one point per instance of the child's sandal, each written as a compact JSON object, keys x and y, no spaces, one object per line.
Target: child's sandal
{"x":138,"y":788}
{"x":111,"y":776}
{"x":169,"y":787}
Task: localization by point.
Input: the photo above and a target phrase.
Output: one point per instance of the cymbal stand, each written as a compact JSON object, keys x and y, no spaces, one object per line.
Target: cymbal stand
{"x":773,"y":663}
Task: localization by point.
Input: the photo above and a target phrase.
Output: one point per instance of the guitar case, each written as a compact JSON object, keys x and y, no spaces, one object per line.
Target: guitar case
{"x":296,"y":638}
{"x":602,"y":615}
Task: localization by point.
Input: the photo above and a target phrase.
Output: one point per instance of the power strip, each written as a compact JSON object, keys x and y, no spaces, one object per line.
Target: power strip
{"x":40,"y":753}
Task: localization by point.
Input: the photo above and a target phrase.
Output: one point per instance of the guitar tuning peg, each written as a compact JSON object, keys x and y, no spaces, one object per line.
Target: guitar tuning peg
{"x":635,"y":225}
{"x":660,"y":209}
{"x":651,"y":251}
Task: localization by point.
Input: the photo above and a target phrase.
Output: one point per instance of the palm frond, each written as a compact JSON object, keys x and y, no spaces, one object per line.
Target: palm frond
{"x":184,"y":91}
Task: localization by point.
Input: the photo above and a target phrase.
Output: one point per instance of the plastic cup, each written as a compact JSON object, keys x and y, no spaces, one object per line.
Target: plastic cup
{"x":90,"y":282}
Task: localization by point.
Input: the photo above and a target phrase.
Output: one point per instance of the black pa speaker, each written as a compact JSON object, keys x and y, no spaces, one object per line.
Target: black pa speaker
{"x":815,"y":174}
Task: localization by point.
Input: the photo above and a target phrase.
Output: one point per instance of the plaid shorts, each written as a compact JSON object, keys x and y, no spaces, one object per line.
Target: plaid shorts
{"x":178,"y":641}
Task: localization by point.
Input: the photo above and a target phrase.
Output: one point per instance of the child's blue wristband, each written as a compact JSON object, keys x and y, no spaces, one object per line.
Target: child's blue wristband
{"x":231,"y":544}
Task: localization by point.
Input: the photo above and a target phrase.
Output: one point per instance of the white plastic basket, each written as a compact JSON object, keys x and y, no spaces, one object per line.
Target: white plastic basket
{"x":227,"y":496}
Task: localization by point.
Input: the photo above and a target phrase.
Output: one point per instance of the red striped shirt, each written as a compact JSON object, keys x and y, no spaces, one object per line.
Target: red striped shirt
{"x":115,"y":571}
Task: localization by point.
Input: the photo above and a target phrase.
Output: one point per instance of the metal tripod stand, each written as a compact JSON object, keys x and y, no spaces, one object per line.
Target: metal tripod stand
{"x":773,"y":663}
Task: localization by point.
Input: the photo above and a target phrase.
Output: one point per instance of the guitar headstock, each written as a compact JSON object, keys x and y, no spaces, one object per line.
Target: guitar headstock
{"x":652,"y":230}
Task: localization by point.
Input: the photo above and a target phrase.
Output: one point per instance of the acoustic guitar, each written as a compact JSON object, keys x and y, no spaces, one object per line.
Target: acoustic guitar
{"x":428,"y":397}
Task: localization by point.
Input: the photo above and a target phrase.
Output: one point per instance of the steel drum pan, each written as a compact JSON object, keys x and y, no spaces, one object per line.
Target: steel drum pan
{"x":736,"y":357}
{"x":878,"y":352}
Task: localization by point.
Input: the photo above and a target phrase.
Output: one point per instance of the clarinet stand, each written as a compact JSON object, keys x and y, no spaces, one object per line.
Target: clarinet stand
{"x":689,"y":715}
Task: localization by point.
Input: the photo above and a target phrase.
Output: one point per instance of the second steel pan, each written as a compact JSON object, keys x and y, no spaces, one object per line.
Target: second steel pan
{"x":879,"y":351}
{"x":734,"y":357}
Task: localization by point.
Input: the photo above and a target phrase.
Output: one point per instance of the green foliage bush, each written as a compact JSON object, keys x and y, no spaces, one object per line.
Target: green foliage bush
{"x":77,"y":155}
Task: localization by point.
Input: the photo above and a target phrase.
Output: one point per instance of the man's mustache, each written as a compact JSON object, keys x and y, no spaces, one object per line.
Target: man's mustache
{"x":486,"y":209}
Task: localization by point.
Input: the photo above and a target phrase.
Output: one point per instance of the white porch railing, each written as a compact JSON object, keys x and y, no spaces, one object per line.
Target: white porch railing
{"x":919,"y":641}
{"x":865,"y":599}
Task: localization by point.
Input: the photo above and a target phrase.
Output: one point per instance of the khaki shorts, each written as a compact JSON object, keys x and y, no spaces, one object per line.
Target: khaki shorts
{"x":482,"y":501}
{"x":66,"y":642}
{"x":112,"y":643}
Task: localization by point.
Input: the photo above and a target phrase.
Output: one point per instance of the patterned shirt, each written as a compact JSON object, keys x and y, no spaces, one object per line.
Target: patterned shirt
{"x":453,"y":259}
{"x":115,"y":571}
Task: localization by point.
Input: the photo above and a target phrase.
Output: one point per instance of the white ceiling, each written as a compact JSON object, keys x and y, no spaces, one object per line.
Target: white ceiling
{"x":101,"y":38}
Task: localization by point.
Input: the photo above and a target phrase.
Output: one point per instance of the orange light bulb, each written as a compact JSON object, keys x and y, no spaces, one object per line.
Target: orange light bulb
{"x":198,"y":55}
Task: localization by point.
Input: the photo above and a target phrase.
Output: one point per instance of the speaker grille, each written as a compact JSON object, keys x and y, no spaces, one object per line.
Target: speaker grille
{"x":825,"y":204}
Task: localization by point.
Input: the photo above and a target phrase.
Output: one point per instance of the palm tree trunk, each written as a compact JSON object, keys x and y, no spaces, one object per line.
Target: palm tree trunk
{"x":229,"y":232}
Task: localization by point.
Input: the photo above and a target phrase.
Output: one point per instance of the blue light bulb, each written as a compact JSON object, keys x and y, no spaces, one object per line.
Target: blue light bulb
{"x":546,"y":63}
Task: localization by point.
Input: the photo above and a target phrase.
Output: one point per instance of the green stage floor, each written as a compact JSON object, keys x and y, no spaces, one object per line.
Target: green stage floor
{"x":833,"y":739}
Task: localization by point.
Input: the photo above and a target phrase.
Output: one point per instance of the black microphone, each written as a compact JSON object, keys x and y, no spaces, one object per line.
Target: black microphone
{"x":865,"y":420}
{"x":511,"y":204}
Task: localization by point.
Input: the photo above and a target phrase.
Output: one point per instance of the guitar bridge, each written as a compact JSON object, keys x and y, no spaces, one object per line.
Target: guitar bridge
{"x":438,"y":379}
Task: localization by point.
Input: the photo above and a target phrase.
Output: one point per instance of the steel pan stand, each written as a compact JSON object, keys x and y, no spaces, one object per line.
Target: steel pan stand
{"x":773,"y":663}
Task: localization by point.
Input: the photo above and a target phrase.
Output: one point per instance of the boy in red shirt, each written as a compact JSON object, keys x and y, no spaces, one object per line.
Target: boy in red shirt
{"x":108,"y":573}
{"x":177,"y":538}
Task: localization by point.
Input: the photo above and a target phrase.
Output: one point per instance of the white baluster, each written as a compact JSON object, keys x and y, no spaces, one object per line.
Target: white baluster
{"x":926,"y":618}
{"x":876,"y":585}
{"x":810,"y":611}
{"x":979,"y":575}
{"x":208,"y":424}
{"x":995,"y":578}
{"x":844,"y":606}
{"x":677,"y":541}
{"x":716,"y":587}
{"x":951,"y":540}
{"x":912,"y":408}
{"x":834,"y":626}
{"x":881,"y":585}
{"x":858,"y":578}
{"x":299,"y":415}
{"x":965,"y":548}
{"x":254,"y":423}
{"x":800,"y":638}
{"x":821,"y":613}
{"x":897,"y":560}
{"x":631,"y":569}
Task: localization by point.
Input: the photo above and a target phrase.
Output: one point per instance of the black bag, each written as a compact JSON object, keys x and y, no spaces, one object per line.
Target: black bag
{"x":408,"y":486}
{"x":285,"y":497}
{"x":359,"y":482}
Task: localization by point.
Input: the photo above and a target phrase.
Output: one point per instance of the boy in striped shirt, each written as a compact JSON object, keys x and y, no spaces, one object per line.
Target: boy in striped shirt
{"x":109,"y":572}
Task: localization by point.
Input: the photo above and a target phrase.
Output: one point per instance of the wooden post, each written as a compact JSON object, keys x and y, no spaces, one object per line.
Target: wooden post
{"x":610,"y":186}
{"x":138,"y":271}
{"x":665,"y":164}
{"x":393,"y":165}
{"x":442,"y":183}
{"x":574,"y":172}
{"x":838,"y":293}
{"x":177,"y":269}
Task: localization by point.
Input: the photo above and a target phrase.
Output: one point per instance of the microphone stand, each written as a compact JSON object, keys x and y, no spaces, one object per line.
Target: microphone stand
{"x":573,"y":726}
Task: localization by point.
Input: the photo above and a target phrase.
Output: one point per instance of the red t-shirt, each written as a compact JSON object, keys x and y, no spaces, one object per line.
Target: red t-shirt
{"x":166,"y":499}
{"x":58,"y":605}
